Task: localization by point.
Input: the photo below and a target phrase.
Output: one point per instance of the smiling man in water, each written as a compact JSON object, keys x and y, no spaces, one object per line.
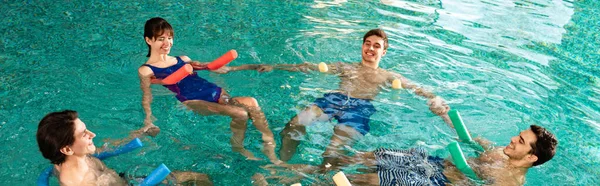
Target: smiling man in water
{"x":351,"y":103}
{"x":65,"y":140}
{"x":495,"y":166}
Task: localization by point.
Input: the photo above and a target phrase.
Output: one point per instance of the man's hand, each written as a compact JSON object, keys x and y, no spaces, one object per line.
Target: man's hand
{"x":438,"y":106}
{"x":198,"y":66}
{"x":264,"y":68}
{"x":222,"y":70}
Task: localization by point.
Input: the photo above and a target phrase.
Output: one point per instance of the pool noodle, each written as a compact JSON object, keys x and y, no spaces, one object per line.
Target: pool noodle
{"x":132,"y":145}
{"x":323,"y":67}
{"x":178,"y":75}
{"x":340,"y":179}
{"x":44,"y":178}
{"x":461,"y":129}
{"x":157,"y":175}
{"x":223,"y":60}
{"x":396,"y":84}
{"x":460,"y":161}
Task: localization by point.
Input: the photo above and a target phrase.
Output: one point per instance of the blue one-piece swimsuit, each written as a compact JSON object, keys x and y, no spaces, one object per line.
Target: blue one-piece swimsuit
{"x":192,"y":87}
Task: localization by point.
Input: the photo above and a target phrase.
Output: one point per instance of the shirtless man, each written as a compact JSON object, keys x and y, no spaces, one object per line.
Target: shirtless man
{"x":495,"y":166}
{"x":350,"y":105}
{"x":64,"y":140}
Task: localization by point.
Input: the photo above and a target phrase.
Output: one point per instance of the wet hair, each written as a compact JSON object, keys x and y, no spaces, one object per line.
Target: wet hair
{"x":377,"y":32}
{"x":55,"y":131}
{"x":155,"y":27}
{"x":545,"y":145}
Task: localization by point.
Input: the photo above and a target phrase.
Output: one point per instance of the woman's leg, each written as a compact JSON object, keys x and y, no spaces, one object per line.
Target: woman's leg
{"x":239,"y":117}
{"x":259,"y":121}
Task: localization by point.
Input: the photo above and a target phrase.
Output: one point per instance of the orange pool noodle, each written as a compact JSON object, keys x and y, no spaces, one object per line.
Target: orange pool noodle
{"x":178,"y":75}
{"x":223,"y":60}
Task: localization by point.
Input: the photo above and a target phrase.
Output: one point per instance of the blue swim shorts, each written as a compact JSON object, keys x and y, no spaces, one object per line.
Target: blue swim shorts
{"x":349,"y":111}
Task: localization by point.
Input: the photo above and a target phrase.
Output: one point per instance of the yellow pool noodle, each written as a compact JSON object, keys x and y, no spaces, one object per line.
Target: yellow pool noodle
{"x":323,"y":67}
{"x":340,"y":179}
{"x":396,"y":84}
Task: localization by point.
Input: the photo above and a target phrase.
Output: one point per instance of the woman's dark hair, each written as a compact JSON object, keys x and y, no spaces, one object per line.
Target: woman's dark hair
{"x":155,"y":27}
{"x":545,"y":144}
{"x":55,"y":131}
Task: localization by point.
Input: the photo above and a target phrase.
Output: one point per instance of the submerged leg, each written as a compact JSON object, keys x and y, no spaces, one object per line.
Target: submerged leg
{"x":342,"y":135}
{"x":239,"y":118}
{"x":260,"y":122}
{"x":296,"y":128}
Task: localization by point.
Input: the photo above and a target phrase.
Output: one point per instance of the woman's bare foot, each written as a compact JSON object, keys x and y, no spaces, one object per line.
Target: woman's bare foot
{"x":150,"y":130}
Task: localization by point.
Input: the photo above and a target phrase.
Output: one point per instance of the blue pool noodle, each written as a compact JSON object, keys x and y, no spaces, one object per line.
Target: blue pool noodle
{"x":157,"y":175}
{"x":132,"y":145}
{"x":44,"y":178}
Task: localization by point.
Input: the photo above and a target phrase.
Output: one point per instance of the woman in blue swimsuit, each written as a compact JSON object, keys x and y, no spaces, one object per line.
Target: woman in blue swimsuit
{"x":196,"y":93}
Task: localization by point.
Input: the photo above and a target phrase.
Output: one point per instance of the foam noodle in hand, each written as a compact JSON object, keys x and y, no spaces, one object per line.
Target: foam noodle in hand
{"x":157,"y":175}
{"x":178,"y":75}
{"x":223,"y":60}
{"x":460,"y":161}
{"x":340,"y":179}
{"x":323,"y":67}
{"x":396,"y":84}
{"x":461,"y":129}
{"x":132,"y":145}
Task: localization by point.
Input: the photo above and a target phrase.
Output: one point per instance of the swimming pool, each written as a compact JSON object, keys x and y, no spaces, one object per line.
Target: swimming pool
{"x":503,"y":64}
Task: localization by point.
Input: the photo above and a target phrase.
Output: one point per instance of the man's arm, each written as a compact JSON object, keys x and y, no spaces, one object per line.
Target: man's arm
{"x":333,"y":68}
{"x":225,"y":69}
{"x":485,"y":143}
{"x":436,"y":104}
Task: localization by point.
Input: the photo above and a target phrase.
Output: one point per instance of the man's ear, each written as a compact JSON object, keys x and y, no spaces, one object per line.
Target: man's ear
{"x":148,"y":40}
{"x":67,"y":151}
{"x":531,"y":158}
{"x":384,"y":52}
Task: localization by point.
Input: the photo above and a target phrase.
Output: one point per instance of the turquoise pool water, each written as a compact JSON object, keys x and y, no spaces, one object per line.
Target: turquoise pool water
{"x":503,"y":64}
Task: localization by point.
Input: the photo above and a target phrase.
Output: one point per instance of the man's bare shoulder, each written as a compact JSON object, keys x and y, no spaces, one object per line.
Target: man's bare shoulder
{"x":71,"y":177}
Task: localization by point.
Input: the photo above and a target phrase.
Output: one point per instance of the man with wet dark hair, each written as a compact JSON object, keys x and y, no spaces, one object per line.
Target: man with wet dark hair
{"x":351,"y":103}
{"x":495,"y":166}
{"x":65,"y":140}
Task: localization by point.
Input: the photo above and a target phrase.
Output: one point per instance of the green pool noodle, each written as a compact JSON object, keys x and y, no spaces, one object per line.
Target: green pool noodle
{"x":460,"y":161}
{"x":461,"y":129}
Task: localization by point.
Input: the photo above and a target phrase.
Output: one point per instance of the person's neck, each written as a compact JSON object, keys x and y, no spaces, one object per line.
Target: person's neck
{"x":518,"y":166}
{"x":367,"y":64}
{"x":74,"y":162}
{"x":158,"y":57}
